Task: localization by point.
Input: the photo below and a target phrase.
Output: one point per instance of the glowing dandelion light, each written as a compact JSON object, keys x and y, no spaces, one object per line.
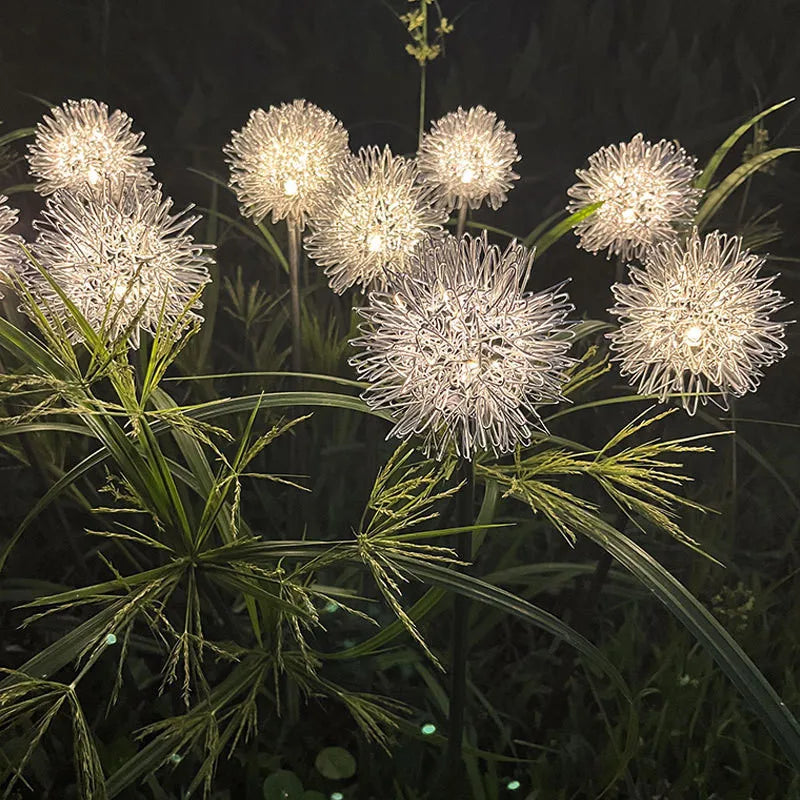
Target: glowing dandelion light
{"x":10,"y":252}
{"x":369,"y":224}
{"x":459,"y":353}
{"x":122,"y":258}
{"x":468,"y":157}
{"x":697,"y":319}
{"x":282,"y":161}
{"x":79,"y":145}
{"x":647,"y":193}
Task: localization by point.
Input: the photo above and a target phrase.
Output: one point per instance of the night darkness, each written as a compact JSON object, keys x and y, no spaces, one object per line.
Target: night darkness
{"x":567,"y":77}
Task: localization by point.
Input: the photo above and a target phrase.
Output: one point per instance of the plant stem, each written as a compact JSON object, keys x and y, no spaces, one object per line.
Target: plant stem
{"x":294,"y":283}
{"x":454,"y":766}
{"x":462,"y":219}
{"x":423,"y":74}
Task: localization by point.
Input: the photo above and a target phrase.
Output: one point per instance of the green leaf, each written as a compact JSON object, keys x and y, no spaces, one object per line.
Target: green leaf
{"x":544,"y":242}
{"x":335,"y":763}
{"x":720,"y":194}
{"x":704,"y":181}
{"x":283,"y":785}
{"x":13,"y":136}
{"x":763,"y":700}
{"x":499,"y":598}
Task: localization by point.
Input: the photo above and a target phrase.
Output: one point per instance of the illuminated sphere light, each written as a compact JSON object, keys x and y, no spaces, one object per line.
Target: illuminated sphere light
{"x":697,"y":319}
{"x":468,"y":157}
{"x":10,"y":253}
{"x":459,"y":353}
{"x":283,"y":160}
{"x":79,"y":145}
{"x":372,"y":220}
{"x":648,"y":196}
{"x":121,"y":258}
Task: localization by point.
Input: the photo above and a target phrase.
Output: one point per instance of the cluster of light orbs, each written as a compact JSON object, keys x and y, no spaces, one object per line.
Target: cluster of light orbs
{"x":696,"y":321}
{"x":107,"y":238}
{"x":452,"y":344}
{"x":283,"y":160}
{"x":647,"y":193}
{"x":370,"y":222}
{"x":80,"y":146}
{"x":459,"y":353}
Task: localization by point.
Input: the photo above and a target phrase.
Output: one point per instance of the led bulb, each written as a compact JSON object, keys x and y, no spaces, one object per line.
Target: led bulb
{"x":290,"y":187}
{"x":693,"y":335}
{"x":374,"y":243}
{"x":628,"y":215}
{"x":468,"y":175}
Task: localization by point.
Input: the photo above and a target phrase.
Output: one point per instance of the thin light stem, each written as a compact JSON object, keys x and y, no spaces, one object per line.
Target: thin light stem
{"x":423,"y":73}
{"x":294,"y":284}
{"x":454,"y":766}
{"x":734,"y":470}
{"x":462,"y":219}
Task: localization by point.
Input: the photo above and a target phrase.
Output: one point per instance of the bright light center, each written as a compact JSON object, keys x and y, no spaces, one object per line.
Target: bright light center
{"x":468,"y":175}
{"x":628,"y":215}
{"x":693,"y":335}
{"x":375,"y":242}
{"x":93,"y":176}
{"x":471,"y":369}
{"x":290,"y":187}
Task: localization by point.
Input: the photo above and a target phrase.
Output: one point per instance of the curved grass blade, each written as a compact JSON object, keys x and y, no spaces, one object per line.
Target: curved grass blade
{"x":718,"y":196}
{"x":550,"y":237}
{"x":483,"y":592}
{"x":13,"y":136}
{"x":704,"y":181}
{"x":757,"y":692}
{"x":541,"y":227}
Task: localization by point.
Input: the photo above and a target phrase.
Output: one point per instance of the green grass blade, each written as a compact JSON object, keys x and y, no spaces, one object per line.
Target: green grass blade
{"x":550,"y":237}
{"x":16,"y":135}
{"x":704,"y":181}
{"x":743,"y":673}
{"x":720,"y":194}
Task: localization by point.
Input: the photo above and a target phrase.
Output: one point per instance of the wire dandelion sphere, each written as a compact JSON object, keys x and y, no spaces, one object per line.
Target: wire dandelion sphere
{"x":648,"y":196}
{"x":80,"y":145}
{"x":126,"y":263}
{"x":459,"y":353}
{"x":696,"y":318}
{"x":468,"y":157}
{"x":370,"y":223}
{"x":10,"y":252}
{"x":283,"y":160}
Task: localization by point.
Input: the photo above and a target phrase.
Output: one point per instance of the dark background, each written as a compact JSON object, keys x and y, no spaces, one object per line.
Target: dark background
{"x":568,"y":76}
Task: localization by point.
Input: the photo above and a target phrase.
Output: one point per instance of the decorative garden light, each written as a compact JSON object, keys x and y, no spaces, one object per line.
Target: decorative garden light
{"x":81,"y":145}
{"x":647,"y":191}
{"x":10,"y":252}
{"x":459,"y":353}
{"x":282,"y":163}
{"x":697,"y":317}
{"x":372,"y":220}
{"x":121,"y":258}
{"x":468,"y":157}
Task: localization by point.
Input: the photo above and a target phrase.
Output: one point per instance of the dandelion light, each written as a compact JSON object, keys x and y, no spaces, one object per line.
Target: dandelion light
{"x":80,"y":145}
{"x":459,"y":353}
{"x":697,"y":319}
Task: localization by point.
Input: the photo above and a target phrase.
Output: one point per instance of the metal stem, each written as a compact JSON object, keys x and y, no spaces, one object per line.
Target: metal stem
{"x":294,"y":284}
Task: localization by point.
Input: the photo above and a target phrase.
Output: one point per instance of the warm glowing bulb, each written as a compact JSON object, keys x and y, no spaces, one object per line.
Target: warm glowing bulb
{"x":628,"y":215}
{"x":471,"y":369}
{"x":290,"y":187}
{"x":375,"y":243}
{"x":93,"y":176}
{"x":468,"y":175}
{"x":693,"y":335}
